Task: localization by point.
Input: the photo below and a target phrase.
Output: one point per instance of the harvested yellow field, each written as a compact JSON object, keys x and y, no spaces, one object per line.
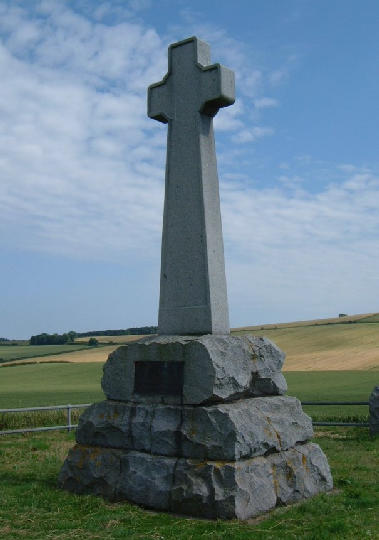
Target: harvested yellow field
{"x":95,"y":354}
{"x":324,"y":345}
{"x":370,"y":317}
{"x":341,"y":360}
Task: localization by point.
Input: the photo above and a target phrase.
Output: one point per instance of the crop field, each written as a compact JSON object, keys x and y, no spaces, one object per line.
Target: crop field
{"x":349,"y":343}
{"x":325,"y":345}
{"x":13,"y":352}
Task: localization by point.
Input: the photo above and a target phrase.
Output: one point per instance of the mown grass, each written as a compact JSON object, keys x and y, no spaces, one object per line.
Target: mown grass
{"x":332,"y":386}
{"x":50,"y":384}
{"x":59,"y":384}
{"x":32,"y":507}
{"x":11,"y":352}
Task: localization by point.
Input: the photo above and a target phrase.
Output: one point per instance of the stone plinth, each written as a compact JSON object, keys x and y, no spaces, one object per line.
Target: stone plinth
{"x":206,"y":444}
{"x":214,"y":369}
{"x":213,"y":489}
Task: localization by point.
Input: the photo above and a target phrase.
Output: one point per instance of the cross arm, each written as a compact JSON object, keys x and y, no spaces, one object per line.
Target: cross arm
{"x":158,"y":106}
{"x":217,"y":88}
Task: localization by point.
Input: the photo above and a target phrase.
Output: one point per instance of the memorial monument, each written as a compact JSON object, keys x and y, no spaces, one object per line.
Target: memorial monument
{"x":195,"y":421}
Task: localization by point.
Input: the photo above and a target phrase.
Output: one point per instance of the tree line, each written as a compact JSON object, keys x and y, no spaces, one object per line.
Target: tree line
{"x":69,"y":337}
{"x":52,"y":339}
{"x":137,"y":331}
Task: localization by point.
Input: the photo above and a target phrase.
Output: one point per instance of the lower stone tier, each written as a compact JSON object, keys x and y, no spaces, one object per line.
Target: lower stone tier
{"x":226,"y":431}
{"x":211,"y":489}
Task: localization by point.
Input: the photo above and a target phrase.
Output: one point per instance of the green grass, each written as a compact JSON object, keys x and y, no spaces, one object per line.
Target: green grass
{"x":50,"y":384}
{"x":32,"y":507}
{"x":9,"y":352}
{"x":59,"y":384}
{"x":332,"y":386}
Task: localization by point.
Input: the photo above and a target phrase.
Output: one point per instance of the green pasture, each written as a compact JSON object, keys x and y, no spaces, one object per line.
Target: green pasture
{"x":333,"y":386}
{"x":31,"y":505}
{"x":61,"y":383}
{"x":36,"y":385}
{"x":18,"y":352}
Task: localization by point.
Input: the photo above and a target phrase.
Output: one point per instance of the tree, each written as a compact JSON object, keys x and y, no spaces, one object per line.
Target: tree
{"x":71,"y":336}
{"x":92,"y":342}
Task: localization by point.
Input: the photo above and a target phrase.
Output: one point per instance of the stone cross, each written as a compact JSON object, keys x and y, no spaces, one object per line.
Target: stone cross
{"x":193,"y":298}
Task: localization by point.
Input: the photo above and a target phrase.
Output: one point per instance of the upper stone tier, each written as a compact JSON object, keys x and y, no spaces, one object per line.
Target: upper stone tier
{"x":194,"y":370}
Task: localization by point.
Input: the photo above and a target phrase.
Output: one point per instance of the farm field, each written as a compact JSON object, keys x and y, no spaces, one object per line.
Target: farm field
{"x":36,"y":385}
{"x":12,"y":352}
{"x":349,"y":343}
{"x":62,"y":383}
{"x":325,"y":345}
{"x":82,"y":355}
{"x":31,"y":505}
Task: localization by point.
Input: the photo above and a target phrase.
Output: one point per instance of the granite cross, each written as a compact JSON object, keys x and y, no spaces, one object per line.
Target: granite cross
{"x":193,"y":297}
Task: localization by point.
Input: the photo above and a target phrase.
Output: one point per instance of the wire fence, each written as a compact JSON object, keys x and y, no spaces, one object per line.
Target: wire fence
{"x":347,"y":424}
{"x":69,"y":426}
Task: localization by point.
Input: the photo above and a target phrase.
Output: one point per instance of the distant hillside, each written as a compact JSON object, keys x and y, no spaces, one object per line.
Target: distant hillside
{"x":346,"y":343}
{"x":339,"y":344}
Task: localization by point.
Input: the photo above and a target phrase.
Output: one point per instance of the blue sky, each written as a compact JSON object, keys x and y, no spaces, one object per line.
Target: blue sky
{"x":82,"y":167}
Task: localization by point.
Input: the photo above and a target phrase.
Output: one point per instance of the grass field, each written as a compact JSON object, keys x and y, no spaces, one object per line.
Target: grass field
{"x":32,"y":507}
{"x":58,"y":384}
{"x":50,"y":384}
{"x":9,"y":352}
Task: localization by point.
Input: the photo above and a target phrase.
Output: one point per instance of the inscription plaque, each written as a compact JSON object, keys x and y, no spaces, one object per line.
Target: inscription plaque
{"x":159,"y":378}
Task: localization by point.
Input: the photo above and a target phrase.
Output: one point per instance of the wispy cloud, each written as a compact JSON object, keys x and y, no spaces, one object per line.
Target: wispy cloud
{"x":82,"y":167}
{"x":265,"y":102}
{"x":285,"y":244}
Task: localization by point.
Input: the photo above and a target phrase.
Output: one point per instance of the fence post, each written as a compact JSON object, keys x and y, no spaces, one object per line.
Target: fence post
{"x":69,"y":417}
{"x":373,"y":418}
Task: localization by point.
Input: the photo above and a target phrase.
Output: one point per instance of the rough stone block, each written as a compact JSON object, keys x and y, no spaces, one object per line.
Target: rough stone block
{"x":216,"y":369}
{"x":226,"y":431}
{"x":211,"y":489}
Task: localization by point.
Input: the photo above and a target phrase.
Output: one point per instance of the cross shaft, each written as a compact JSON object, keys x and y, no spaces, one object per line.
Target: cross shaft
{"x":193,"y":298}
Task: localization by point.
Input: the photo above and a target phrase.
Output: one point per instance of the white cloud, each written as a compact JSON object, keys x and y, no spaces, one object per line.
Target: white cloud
{"x":80,"y":164}
{"x":82,"y":168}
{"x":265,"y":102}
{"x":251,"y":135}
{"x":303,"y":252}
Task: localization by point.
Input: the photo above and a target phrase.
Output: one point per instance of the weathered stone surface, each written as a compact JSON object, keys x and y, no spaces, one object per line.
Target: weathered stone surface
{"x":302,"y":472}
{"x":228,"y":431}
{"x":216,"y":368}
{"x":193,"y":297}
{"x":373,"y":418}
{"x":211,"y":489}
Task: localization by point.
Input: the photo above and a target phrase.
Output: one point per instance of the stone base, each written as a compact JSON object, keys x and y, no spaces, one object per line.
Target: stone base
{"x":211,"y":489}
{"x":226,"y":431}
{"x":214,"y":369}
